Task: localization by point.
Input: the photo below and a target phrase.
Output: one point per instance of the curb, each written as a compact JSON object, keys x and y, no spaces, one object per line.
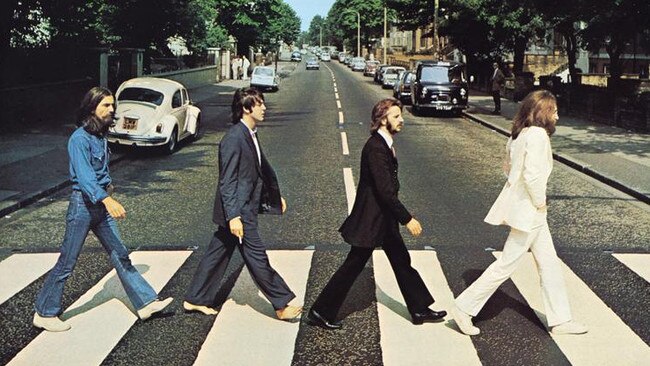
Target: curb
{"x":572,"y":163}
{"x":36,"y":196}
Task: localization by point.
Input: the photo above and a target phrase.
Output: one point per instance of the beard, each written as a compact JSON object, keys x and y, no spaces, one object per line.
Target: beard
{"x":98,"y":126}
{"x":391,"y":129}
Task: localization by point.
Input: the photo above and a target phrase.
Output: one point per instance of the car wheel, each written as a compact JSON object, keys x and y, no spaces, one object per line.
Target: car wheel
{"x":170,"y":146}
{"x":197,"y":130}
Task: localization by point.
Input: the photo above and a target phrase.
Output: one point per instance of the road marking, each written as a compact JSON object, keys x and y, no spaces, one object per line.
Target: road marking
{"x":336,"y":90}
{"x":344,"y":143}
{"x":101,"y":317}
{"x":350,"y":190}
{"x":341,"y":121}
{"x":639,"y":263}
{"x":403,"y":343}
{"x":335,"y":85}
{"x":338,"y":104}
{"x":609,"y":341}
{"x":337,"y":95}
{"x":246,"y":331}
{"x":19,"y":270}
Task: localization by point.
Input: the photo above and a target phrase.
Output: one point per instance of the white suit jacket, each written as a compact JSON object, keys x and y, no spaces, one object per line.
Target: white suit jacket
{"x":529,"y":162}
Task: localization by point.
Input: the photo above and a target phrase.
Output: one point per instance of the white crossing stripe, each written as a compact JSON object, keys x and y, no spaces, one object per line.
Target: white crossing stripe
{"x":609,"y":340}
{"x":403,"y":343}
{"x":344,"y":143}
{"x":246,"y":331}
{"x":350,"y":190}
{"x":639,"y":263}
{"x":19,"y":270}
{"x":101,"y":317}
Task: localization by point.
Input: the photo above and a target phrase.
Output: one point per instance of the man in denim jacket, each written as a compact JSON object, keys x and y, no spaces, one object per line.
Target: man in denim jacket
{"x":92,"y":208}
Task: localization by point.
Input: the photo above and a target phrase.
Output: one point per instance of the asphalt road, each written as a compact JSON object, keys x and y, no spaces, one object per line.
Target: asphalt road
{"x":450,"y":175}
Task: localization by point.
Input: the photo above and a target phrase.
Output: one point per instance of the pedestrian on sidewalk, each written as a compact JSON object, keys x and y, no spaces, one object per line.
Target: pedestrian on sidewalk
{"x":235,"y":67}
{"x":374,"y":222}
{"x":91,"y":207}
{"x":522,"y":206}
{"x":498,"y":79}
{"x":245,"y":66}
{"x":247,"y":186}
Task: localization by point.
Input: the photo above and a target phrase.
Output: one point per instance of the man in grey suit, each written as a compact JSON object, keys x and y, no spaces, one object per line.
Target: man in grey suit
{"x":247,"y":186}
{"x":498,"y":79}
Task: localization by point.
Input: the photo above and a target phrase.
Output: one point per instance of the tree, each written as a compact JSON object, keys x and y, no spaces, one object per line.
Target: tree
{"x":313,"y":33}
{"x":342,"y":21}
{"x":613,"y":25}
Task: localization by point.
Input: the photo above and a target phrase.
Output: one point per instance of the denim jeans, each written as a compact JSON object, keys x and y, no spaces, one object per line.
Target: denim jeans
{"x":82,"y":217}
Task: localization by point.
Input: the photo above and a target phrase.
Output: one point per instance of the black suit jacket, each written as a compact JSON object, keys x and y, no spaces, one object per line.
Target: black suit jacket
{"x":245,"y":188}
{"x":377,"y":210}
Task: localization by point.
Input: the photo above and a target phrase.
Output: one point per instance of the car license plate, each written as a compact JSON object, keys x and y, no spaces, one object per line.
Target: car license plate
{"x":130,"y":124}
{"x":443,"y":107}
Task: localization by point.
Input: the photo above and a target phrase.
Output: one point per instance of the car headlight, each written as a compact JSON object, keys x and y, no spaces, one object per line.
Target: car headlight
{"x":454,"y":101}
{"x":463,"y":92}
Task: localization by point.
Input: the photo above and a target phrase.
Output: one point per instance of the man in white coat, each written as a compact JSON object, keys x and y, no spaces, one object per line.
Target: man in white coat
{"x":245,"y":66}
{"x":522,"y":206}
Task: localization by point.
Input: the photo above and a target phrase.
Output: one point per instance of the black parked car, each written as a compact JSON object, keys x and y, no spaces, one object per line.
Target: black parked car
{"x":440,"y":86}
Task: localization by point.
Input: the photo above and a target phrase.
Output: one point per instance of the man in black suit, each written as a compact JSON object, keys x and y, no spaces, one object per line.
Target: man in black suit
{"x":247,"y":186}
{"x":497,"y":81}
{"x":373,"y":222}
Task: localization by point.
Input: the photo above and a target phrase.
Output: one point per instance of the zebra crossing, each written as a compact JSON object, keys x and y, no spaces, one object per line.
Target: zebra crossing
{"x":245,"y":332}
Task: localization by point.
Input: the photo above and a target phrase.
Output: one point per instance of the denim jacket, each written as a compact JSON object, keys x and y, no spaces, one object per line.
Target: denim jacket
{"x":89,"y":164}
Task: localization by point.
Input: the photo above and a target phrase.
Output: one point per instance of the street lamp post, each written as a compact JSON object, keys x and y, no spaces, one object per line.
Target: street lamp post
{"x":358,"y":35}
{"x":384,"y":40}
{"x":321,"y":36}
{"x":436,"y":44}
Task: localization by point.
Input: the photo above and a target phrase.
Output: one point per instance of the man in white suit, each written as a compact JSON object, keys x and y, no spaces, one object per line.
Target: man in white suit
{"x":522,"y":206}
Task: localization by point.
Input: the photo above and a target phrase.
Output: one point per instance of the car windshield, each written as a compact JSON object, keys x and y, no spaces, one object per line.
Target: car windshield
{"x":393,"y":71}
{"x":141,"y":95}
{"x":264,"y":72}
{"x":440,"y":74}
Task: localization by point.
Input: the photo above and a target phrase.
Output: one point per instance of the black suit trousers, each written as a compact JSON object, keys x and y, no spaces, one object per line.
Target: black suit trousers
{"x":410,"y":283}
{"x":207,"y":279}
{"x":496,"y":97}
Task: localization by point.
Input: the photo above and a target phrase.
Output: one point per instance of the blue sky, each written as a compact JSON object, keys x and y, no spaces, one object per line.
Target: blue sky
{"x":307,"y":9}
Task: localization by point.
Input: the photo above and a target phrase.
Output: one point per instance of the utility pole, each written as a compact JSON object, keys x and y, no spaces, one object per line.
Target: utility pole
{"x":436,"y":44}
{"x":384,"y":42}
{"x":321,"y":36}
{"x":358,"y":35}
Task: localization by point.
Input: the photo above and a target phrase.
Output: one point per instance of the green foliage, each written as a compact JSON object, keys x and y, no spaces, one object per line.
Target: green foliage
{"x":341,"y":22}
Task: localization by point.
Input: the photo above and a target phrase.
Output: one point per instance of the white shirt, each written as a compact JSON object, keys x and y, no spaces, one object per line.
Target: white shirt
{"x":387,"y":137}
{"x":257,"y":145}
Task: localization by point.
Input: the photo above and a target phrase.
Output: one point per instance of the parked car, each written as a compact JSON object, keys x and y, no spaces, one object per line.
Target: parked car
{"x":264,"y":78}
{"x":342,"y":56}
{"x":379,"y":73}
{"x":439,"y":85}
{"x":402,"y":88}
{"x":325,"y":57}
{"x":296,"y":56}
{"x":371,"y":67}
{"x":154,"y":112}
{"x":359,"y":64}
{"x":312,"y":64}
{"x":390,"y":76}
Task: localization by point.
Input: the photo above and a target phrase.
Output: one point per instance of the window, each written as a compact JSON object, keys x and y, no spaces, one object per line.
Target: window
{"x":141,"y":95}
{"x":176,"y":99}
{"x":186,"y":99}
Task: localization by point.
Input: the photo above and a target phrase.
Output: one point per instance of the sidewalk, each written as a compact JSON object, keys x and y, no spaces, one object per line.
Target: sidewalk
{"x":612,"y":155}
{"x":34,"y":163}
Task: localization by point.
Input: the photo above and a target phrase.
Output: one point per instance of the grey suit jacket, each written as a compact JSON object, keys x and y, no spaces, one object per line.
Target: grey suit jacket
{"x":245,"y":188}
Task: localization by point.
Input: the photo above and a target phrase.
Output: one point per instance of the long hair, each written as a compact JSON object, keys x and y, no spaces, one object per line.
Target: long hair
{"x":86,"y":117}
{"x":380,"y":111}
{"x":537,"y":109}
{"x":244,"y":98}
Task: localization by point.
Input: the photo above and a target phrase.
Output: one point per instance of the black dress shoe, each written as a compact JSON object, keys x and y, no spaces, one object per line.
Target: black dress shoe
{"x":313,"y":318}
{"x":428,"y":316}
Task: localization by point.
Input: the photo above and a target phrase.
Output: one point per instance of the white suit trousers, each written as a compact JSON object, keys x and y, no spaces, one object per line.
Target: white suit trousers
{"x":540,"y":243}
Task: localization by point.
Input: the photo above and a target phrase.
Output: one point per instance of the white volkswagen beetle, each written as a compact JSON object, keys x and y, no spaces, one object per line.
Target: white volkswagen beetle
{"x":154,"y":112}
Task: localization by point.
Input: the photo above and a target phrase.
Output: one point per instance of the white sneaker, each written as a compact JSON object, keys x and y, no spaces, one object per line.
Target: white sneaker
{"x":570,"y":327}
{"x":154,"y":307}
{"x":464,"y":322}
{"x":50,"y":323}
